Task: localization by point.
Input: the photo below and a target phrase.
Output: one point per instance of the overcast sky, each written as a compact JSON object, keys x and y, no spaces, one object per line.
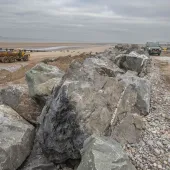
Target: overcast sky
{"x":86,"y":20}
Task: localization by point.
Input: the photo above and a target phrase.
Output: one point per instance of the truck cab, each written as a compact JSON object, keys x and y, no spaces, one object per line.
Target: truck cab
{"x":153,"y":48}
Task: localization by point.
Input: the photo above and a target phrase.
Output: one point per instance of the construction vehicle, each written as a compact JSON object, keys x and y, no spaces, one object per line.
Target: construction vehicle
{"x":13,"y":56}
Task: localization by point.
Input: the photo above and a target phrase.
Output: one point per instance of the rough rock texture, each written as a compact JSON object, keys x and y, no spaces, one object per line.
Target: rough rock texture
{"x":126,"y":48}
{"x":87,"y":102}
{"x":122,"y":47}
{"x":37,"y":160}
{"x":41,"y":79}
{"x":16,"y":139}
{"x":142,"y":87}
{"x":132,"y":61}
{"x":126,"y":124}
{"x":103,"y":154}
{"x":17,"y":97}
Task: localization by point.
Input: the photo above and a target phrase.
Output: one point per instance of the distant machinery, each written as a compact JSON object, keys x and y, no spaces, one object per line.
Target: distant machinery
{"x":13,"y":56}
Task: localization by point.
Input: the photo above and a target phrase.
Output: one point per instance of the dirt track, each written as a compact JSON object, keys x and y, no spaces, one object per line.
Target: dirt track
{"x":164,"y":64}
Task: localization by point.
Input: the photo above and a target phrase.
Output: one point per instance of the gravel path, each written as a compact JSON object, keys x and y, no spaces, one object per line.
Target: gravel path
{"x":163,"y":58}
{"x":153,"y":152}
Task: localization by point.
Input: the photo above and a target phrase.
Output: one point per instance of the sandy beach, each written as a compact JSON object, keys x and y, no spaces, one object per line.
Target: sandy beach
{"x":37,"y":56}
{"x":41,"y":45}
{"x":15,"y":72}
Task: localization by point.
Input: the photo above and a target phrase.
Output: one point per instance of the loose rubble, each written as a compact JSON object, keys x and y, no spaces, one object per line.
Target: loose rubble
{"x":153,"y":150}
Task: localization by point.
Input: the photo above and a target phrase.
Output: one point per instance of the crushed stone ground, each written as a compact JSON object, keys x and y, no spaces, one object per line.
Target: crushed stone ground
{"x":153,"y":151}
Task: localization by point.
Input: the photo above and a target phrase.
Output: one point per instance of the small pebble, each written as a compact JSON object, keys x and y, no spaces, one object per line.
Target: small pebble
{"x":168,"y":147}
{"x":150,"y":142}
{"x":165,"y":162}
{"x":157,"y":151}
{"x":168,"y":160}
{"x":159,"y":144}
{"x":165,"y":142}
{"x":160,"y":166}
{"x":155,"y":165}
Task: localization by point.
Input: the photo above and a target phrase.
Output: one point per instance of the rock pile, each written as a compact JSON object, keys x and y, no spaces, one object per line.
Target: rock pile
{"x":93,"y":98}
{"x":126,"y":48}
{"x":100,"y":100}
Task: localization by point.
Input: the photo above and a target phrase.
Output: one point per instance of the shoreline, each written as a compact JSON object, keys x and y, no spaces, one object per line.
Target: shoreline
{"x":44,"y":45}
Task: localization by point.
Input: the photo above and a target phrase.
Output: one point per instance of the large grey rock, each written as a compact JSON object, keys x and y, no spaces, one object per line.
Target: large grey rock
{"x":16,"y":139}
{"x":83,"y":105}
{"x":129,"y":129}
{"x":126,"y":124}
{"x":133,"y":61}
{"x":103,"y":154}
{"x":17,"y":97}
{"x":42,"y":79}
{"x":142,"y":87}
{"x":104,"y":64}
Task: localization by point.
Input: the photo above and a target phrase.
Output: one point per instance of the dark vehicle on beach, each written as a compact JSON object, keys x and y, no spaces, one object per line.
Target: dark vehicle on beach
{"x":153,"y":48}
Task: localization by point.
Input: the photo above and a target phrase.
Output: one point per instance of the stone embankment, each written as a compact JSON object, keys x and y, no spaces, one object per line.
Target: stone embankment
{"x":109,"y":111}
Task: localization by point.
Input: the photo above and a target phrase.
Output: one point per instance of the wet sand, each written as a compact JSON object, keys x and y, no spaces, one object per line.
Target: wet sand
{"x":42,"y":45}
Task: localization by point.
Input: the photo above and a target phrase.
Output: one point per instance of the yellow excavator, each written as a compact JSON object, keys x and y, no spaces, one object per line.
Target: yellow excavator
{"x":13,"y":56}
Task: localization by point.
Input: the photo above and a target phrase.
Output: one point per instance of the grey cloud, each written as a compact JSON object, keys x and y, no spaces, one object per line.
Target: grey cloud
{"x":136,"y":7}
{"x":86,"y":20}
